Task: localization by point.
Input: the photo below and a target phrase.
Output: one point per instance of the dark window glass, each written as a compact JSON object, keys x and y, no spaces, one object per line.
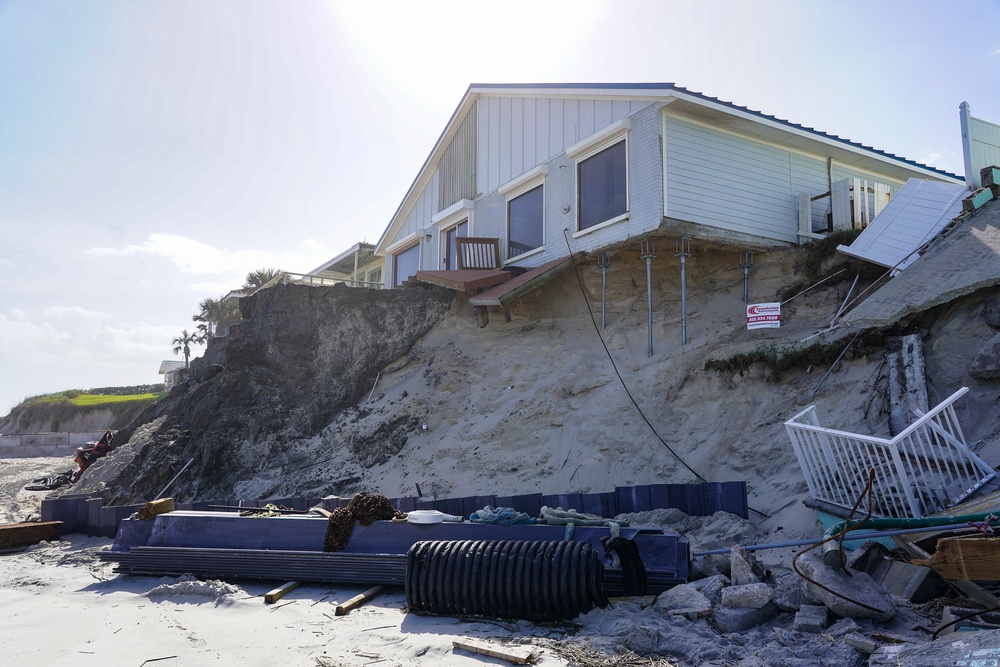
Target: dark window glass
{"x":405,"y":264}
{"x":450,"y":249}
{"x":601,"y":181}
{"x":524,"y":216}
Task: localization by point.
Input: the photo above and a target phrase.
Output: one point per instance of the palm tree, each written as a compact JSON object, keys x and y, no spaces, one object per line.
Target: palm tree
{"x":183,"y":343}
{"x":260,"y":277}
{"x":217,"y":315}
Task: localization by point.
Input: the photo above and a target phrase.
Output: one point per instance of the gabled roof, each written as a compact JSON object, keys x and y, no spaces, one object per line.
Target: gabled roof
{"x":913,"y":217}
{"x":685,"y":102}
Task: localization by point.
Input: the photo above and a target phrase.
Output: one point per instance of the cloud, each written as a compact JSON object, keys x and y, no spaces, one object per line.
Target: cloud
{"x":75,"y":313}
{"x":194,"y":257}
{"x":6,"y":262}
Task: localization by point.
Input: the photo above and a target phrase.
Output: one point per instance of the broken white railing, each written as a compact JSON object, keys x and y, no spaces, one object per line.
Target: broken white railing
{"x":924,"y":469}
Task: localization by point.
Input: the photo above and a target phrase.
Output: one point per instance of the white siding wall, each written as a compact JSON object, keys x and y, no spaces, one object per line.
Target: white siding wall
{"x":519,"y":133}
{"x":984,"y":138}
{"x":741,"y":185}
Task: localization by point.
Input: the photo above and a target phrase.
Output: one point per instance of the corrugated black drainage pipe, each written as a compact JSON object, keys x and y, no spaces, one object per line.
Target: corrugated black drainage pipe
{"x":534,"y":581}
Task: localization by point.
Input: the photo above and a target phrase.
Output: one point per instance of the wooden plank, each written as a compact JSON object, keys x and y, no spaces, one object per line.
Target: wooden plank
{"x":463,"y":281}
{"x":972,"y":558}
{"x":482,"y":648}
{"x":274,"y":595}
{"x":154,"y":508}
{"x":358,"y":600}
{"x":971,"y":590}
{"x":518,"y":286}
{"x":24,"y":534}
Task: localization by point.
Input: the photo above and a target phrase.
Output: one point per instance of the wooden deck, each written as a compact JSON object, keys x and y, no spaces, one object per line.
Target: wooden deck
{"x":465,"y":280}
{"x":518,"y":286}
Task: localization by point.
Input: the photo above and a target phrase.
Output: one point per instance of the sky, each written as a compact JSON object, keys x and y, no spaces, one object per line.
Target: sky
{"x":154,"y":153}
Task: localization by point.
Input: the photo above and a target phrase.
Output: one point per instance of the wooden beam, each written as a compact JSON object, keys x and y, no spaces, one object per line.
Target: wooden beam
{"x":971,"y":589}
{"x":482,"y":648}
{"x":358,"y":600}
{"x":969,"y":558}
{"x":14,"y":535}
{"x":154,"y":508}
{"x":274,"y":595}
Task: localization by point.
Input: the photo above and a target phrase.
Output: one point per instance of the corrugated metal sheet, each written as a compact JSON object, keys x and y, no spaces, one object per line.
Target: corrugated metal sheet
{"x":913,"y":217}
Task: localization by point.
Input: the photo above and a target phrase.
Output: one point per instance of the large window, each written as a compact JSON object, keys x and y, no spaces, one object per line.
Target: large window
{"x":525,"y":222}
{"x":450,"y":261}
{"x":405,"y":264}
{"x":602,"y":186}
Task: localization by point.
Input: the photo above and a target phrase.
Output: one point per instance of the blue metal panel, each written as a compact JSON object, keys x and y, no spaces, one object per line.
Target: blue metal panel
{"x":632,"y":499}
{"x":591,"y":504}
{"x":530,"y":504}
{"x":93,"y":517}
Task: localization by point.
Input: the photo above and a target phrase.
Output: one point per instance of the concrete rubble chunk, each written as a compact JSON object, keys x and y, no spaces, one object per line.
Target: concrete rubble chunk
{"x":711,"y":587}
{"x":915,"y":583}
{"x":741,"y":619}
{"x":685,"y":600}
{"x":986,"y":365}
{"x":810,"y":618}
{"x":871,"y":557}
{"x":991,"y":310}
{"x":861,"y":643}
{"x":788,"y":592}
{"x":744,"y":568}
{"x":754,"y":596}
{"x":856,"y":586}
{"x":843,"y":627}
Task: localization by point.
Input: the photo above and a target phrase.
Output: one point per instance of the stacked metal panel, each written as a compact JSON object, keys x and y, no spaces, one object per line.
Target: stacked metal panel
{"x":213,"y":544}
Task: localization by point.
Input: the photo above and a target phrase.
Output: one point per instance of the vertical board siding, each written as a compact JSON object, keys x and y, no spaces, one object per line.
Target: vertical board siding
{"x":457,"y":168}
{"x":517,"y":134}
{"x":505,"y":137}
{"x":529,"y":124}
{"x":809,"y":175}
{"x":841,"y":172}
{"x":984,"y":139}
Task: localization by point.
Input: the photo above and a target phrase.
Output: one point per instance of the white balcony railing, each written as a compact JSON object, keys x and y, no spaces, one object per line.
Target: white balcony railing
{"x":286,"y":277}
{"x":923,"y":470}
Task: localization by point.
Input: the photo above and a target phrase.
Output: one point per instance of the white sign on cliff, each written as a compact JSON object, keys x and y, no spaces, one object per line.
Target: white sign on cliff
{"x":763,"y":315}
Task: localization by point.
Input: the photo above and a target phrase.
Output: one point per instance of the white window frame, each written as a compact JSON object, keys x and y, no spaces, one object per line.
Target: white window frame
{"x":513,"y":189}
{"x":461,"y":211}
{"x":589,"y":147}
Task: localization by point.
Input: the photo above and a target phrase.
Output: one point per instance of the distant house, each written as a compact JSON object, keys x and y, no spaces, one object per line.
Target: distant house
{"x":357,"y":266}
{"x":171,"y":370}
{"x":542,"y":168}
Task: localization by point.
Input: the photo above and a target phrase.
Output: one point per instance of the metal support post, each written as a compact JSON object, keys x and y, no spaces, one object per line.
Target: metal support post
{"x":603,"y":263}
{"x":746,"y":263}
{"x":648,"y":253}
{"x":683,"y":247}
